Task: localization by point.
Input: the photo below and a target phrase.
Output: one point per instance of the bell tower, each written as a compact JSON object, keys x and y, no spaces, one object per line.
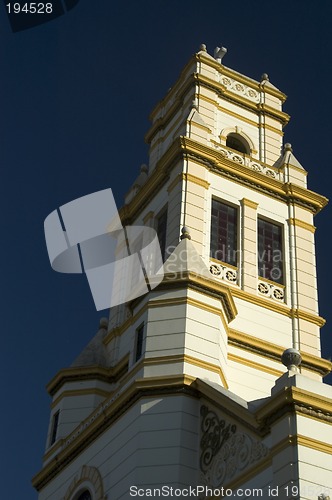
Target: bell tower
{"x":186,"y":386}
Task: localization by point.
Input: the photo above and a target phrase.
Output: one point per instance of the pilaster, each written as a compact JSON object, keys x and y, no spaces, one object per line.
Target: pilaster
{"x":249,"y":245}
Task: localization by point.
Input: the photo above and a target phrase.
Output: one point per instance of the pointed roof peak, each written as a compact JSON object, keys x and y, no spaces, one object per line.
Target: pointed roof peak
{"x":186,"y":258}
{"x":94,"y":353}
{"x":288,"y":158}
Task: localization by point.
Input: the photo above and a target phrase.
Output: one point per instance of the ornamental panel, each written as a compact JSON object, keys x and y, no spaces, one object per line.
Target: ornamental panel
{"x":225,"y":451}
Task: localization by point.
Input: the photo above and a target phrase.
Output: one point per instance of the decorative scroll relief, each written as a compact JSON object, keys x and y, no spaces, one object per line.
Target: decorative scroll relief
{"x":270,"y":290}
{"x":223,"y":272}
{"x":225,"y":452}
{"x":239,"y":88}
{"x":247,"y":162}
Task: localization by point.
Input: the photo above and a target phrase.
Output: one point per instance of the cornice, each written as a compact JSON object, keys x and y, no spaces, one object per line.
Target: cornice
{"x":212,"y":159}
{"x":278,"y":307}
{"x":286,"y":192}
{"x":307,"y":316}
{"x":260,"y":420}
{"x":106,"y":414}
{"x":191,"y":360}
{"x":200,"y":283}
{"x":223,"y":70}
{"x":187,"y":81}
{"x":93,"y":391}
{"x":292,"y":399}
{"x":108,"y":375}
{"x":257,"y":108}
{"x":274,"y":352}
{"x":297,"y":193}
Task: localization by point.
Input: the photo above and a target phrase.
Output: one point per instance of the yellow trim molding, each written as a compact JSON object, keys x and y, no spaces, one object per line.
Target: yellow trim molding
{"x":300,"y":223}
{"x":106,"y":413}
{"x":294,"y":395}
{"x":254,"y":365}
{"x":249,"y":203}
{"x":108,"y":375}
{"x":300,"y":440}
{"x":93,"y":391}
{"x":196,"y":180}
{"x":191,"y":360}
{"x":274,"y":351}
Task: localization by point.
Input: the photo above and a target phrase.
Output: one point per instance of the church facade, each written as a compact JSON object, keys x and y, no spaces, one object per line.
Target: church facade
{"x":188,"y":390}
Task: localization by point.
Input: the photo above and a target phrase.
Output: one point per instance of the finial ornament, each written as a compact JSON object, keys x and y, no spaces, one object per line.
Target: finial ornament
{"x":292,"y":359}
{"x":288,"y":147}
{"x":219,"y":53}
{"x":202,"y":47}
{"x":103,"y":323}
{"x":144,"y":168}
{"x":185,"y":233}
{"x":265,"y":77}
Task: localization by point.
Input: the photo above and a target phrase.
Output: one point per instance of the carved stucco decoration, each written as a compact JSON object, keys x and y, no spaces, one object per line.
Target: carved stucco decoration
{"x":225,"y":451}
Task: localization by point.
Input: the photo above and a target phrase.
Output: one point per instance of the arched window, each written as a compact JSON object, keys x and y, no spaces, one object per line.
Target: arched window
{"x":86,"y":485}
{"x":235,"y":141}
{"x":85,"y":495}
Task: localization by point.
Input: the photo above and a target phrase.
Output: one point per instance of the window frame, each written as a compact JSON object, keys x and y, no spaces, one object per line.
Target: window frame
{"x":162,"y":213}
{"x":54,"y":427}
{"x":229,"y":262}
{"x":241,"y":140}
{"x":139,"y":342}
{"x":81,"y":491}
{"x":281,"y":227}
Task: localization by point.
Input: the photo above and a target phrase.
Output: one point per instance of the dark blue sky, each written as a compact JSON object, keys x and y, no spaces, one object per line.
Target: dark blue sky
{"x":75,"y":98}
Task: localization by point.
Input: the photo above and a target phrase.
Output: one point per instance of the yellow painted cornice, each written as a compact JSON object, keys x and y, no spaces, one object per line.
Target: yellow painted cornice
{"x":273,"y":351}
{"x":264,"y":302}
{"x":294,"y":396}
{"x":107,"y":413}
{"x":191,"y":360}
{"x":300,"y":440}
{"x":307,"y":316}
{"x":212,"y":159}
{"x":93,"y":391}
{"x":191,"y":79}
{"x":273,"y":112}
{"x":74,"y":374}
{"x":216,"y":289}
{"x":298,"y":193}
{"x":201,"y":57}
{"x":258,"y":108}
{"x":112,"y":409}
